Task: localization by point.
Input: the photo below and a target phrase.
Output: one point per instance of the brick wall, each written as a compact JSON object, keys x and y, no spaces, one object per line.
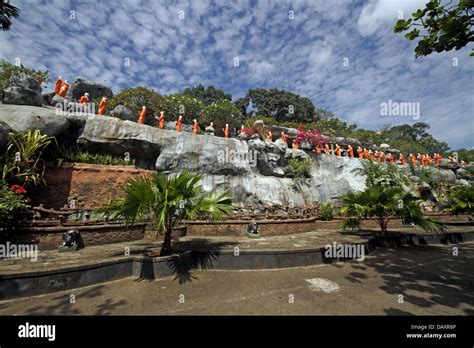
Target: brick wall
{"x":51,"y":238}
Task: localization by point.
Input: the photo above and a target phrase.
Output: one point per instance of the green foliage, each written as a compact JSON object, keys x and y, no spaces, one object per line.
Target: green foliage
{"x":413,"y":139}
{"x":380,"y":175}
{"x":168,"y":200}
{"x":282,"y":105}
{"x":466,"y":154}
{"x":12,"y":205}
{"x":461,"y":200}
{"x":7,"y":12}
{"x":11,"y":72}
{"x":22,"y":161}
{"x":382,"y":204}
{"x":135,"y":98}
{"x":207,"y":95}
{"x":298,"y":169}
{"x":77,"y":155}
{"x":220,"y":113}
{"x":326,"y":212}
{"x":180,"y":105}
{"x":445,"y":26}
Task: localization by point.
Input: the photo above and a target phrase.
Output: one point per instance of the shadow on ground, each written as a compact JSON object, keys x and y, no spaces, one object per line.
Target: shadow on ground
{"x":196,"y":254}
{"x":425,"y":275}
{"x":64,"y":305}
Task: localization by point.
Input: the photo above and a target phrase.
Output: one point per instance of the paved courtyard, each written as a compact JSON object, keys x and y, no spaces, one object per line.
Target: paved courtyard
{"x":421,"y":280}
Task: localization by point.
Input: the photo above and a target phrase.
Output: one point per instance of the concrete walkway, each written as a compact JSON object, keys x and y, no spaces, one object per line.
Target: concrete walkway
{"x":52,"y":259}
{"x":415,"y":280}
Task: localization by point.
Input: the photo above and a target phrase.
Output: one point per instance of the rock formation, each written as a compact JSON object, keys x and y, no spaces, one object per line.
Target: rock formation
{"x":26,"y":92}
{"x":254,"y":170}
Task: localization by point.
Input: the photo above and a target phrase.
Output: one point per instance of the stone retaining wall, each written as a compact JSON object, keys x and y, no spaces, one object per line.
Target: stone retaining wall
{"x":51,"y":237}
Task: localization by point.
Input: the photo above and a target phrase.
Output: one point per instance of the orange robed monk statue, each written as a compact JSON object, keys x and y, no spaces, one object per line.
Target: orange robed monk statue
{"x":350,"y":151}
{"x":141,"y":119}
{"x":337,"y":150}
{"x":161,"y":120}
{"x":195,"y":127}
{"x":283,"y":137}
{"x":269,"y":135}
{"x":84,"y":99}
{"x":179,"y":123}
{"x":226,"y":131}
{"x":64,"y":88}
{"x":327,"y":150}
{"x":58,"y":84}
{"x":102,"y":106}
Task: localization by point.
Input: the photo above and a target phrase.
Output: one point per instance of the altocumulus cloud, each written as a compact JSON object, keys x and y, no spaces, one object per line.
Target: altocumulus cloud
{"x":300,"y":46}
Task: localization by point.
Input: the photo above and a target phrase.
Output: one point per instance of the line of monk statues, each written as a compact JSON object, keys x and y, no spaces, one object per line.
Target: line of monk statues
{"x":61,"y":88}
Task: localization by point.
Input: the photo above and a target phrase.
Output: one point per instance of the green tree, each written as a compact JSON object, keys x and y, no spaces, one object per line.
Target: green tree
{"x":207,"y":95}
{"x":445,"y":26}
{"x":220,"y":113}
{"x":168,"y":200}
{"x":180,"y":105}
{"x":7,"y":12}
{"x":136,"y":97}
{"x":282,"y":105}
{"x":383,"y":204}
{"x":10,"y":72}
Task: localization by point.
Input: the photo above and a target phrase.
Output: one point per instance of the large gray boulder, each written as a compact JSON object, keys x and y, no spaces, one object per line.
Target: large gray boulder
{"x":21,"y":96}
{"x":84,"y":85}
{"x":26,"y":92}
{"x":171,"y":125}
{"x":122,"y":112}
{"x":23,"y":118}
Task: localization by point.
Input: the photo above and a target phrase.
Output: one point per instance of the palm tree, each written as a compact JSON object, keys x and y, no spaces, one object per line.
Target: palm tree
{"x":168,"y":200}
{"x":461,"y":200}
{"x":383,"y":204}
{"x":7,"y":12}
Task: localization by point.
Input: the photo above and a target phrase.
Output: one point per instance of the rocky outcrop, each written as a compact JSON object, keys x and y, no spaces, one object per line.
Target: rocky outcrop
{"x":26,"y":92}
{"x":122,"y":112}
{"x":254,"y":170}
{"x":84,"y":85}
{"x":24,"y":118}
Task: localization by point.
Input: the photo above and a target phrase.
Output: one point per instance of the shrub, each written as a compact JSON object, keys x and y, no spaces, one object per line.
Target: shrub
{"x":313,"y":137}
{"x":380,"y":175}
{"x":79,"y":156}
{"x":299,"y":169}
{"x":326,"y":212}
{"x":12,"y":204}
{"x":22,"y":162}
{"x":461,"y":200}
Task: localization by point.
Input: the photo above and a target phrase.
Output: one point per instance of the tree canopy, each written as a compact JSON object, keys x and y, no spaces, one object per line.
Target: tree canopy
{"x":443,"y":26}
{"x":207,"y":95}
{"x":279,"y":104}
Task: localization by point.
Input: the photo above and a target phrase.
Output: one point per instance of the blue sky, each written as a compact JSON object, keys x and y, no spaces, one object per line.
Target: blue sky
{"x":299,"y":46}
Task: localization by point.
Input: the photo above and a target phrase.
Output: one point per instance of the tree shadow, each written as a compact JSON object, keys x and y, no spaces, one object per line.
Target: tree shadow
{"x":196,"y":254}
{"x":435,"y":273}
{"x":62,"y":304}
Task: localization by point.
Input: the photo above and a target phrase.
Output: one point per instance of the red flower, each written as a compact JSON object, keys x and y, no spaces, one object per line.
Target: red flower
{"x":19,"y":190}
